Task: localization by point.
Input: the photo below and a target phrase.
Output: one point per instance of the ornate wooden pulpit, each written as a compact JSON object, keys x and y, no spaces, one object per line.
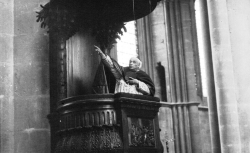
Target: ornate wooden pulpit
{"x":101,"y":122}
{"x":106,"y":123}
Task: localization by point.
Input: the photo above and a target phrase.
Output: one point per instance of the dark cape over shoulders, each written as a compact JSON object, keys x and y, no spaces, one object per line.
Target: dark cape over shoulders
{"x":140,"y":75}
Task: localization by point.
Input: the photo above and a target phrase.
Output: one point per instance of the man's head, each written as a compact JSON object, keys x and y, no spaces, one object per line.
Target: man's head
{"x":135,"y":63}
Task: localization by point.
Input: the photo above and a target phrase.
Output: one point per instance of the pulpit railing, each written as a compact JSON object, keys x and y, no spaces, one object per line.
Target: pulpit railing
{"x":123,"y":123}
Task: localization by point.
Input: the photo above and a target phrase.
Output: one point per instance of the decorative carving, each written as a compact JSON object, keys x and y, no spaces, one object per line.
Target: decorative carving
{"x":58,"y":18}
{"x":68,"y":17}
{"x":61,"y":18}
{"x":141,"y":132}
{"x":62,"y":71}
{"x":93,"y":139}
{"x":106,"y":33}
{"x":87,"y":119}
{"x":98,"y":124}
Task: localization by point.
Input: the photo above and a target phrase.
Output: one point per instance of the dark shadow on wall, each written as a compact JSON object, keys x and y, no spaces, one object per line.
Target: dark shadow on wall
{"x":162,"y":79}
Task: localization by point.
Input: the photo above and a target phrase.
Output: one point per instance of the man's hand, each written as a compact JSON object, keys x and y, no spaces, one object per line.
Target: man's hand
{"x":99,"y":51}
{"x":133,"y":81}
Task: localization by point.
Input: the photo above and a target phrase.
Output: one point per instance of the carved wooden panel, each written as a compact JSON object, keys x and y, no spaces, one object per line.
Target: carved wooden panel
{"x":107,"y":123}
{"x":87,"y":119}
{"x":141,"y":132}
{"x":92,"y":139}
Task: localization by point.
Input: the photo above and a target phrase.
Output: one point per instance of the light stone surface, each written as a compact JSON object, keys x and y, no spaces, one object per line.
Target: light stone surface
{"x":166,"y":126}
{"x":24,"y":79}
{"x":6,"y":77}
{"x":161,"y":54}
{"x":229,"y":30}
{"x":205,"y":131}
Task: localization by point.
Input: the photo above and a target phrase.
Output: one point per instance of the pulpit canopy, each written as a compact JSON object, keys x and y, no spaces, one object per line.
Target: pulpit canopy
{"x":115,"y":10}
{"x":74,"y":14}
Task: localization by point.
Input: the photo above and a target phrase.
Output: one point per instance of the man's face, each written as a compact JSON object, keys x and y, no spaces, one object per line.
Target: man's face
{"x":134,"y":63}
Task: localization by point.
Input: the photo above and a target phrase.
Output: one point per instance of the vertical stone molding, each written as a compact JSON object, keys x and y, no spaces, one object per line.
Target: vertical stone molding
{"x":206,"y":45}
{"x":7,"y":77}
{"x":145,"y":48}
{"x":229,"y":31}
{"x":184,"y":73}
{"x":24,"y":89}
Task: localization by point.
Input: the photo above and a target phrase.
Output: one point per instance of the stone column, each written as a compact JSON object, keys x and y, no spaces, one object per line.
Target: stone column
{"x":24,"y":77}
{"x":206,"y":45}
{"x":184,"y":73}
{"x":145,"y":49}
{"x":230,"y":39}
{"x":175,"y":47}
{"x":7,"y":76}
